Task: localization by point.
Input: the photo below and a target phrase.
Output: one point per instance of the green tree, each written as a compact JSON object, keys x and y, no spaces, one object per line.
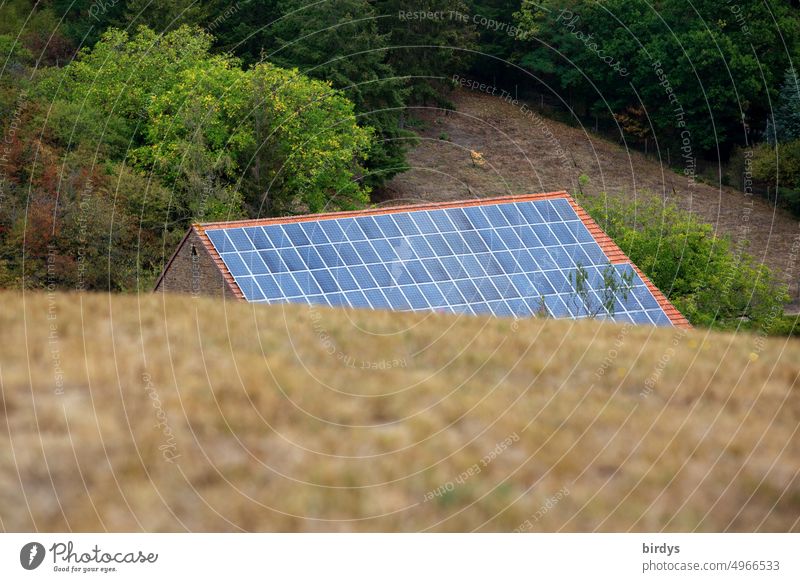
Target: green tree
{"x":203,"y":125}
{"x":84,"y":21}
{"x":113,"y":155}
{"x":431,"y":41}
{"x":308,"y":146}
{"x":784,"y":125}
{"x":340,"y":43}
{"x":14,"y":76}
{"x":245,"y":28}
{"x":497,"y":45}
{"x":119,"y":77}
{"x":195,"y":138}
{"x":692,"y":67}
{"x":166,"y":15}
{"x":778,"y":167}
{"x":35,"y":28}
{"x":778,"y":164}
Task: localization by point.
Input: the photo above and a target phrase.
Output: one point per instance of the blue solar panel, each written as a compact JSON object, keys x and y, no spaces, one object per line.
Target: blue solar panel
{"x":406,"y":225}
{"x":396,"y":298}
{"x":315,"y":234}
{"x":352,"y":230}
{"x":337,"y":300}
{"x":250,"y":288}
{"x":376,"y":299}
{"x":370,"y":227}
{"x":332,"y":230}
{"x":509,"y":259}
{"x":472,"y":266}
{"x":325,"y":280}
{"x":357,"y":299}
{"x":513,"y":216}
{"x":254,"y":263}
{"x":220,"y":241}
{"x":487,"y":289}
{"x":531,"y":214}
{"x":344,"y":279}
{"x":495,"y":217}
{"x":476,"y":217}
{"x":386,"y":223}
{"x":260,"y":240}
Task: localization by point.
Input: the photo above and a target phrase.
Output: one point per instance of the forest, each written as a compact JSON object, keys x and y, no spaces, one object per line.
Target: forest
{"x":125,"y":121}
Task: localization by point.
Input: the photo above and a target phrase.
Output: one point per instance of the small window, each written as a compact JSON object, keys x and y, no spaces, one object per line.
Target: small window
{"x":194,"y":251}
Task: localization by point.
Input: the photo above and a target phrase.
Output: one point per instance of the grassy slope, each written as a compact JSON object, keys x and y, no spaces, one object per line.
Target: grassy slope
{"x":276,"y":433}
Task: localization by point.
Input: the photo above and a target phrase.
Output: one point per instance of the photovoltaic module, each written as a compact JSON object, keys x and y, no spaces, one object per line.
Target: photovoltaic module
{"x":508,"y":259}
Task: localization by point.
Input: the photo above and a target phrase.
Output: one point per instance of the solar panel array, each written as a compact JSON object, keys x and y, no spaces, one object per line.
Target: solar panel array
{"x":512,"y":259}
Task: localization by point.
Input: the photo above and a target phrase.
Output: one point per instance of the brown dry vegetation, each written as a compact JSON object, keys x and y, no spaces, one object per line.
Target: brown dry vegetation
{"x":525,"y":153}
{"x":274,"y":432}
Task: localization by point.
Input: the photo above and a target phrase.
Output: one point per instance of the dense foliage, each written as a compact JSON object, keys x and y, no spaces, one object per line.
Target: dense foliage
{"x":776,"y":162}
{"x":115,"y":154}
{"x":710,"y":280}
{"x":370,"y":50}
{"x":784,"y":123}
{"x":429,"y":42}
{"x":699,"y":79}
{"x":340,"y":42}
{"x":694,"y":68}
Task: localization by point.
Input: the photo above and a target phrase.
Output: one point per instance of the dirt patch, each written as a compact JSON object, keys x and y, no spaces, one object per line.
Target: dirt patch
{"x":526,"y":153}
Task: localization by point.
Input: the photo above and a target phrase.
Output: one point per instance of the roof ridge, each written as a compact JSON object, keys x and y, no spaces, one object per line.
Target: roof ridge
{"x":377,"y":210}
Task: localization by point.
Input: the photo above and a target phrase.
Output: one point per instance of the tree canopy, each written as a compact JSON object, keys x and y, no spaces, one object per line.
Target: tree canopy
{"x":143,"y":133}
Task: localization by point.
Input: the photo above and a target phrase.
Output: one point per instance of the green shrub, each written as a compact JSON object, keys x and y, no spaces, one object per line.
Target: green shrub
{"x":779,"y":163}
{"x":712,"y":283}
{"x":779,"y":166}
{"x":785,"y":325}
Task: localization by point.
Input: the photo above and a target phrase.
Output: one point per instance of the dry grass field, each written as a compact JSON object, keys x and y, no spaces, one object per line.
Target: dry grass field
{"x":524,"y":152}
{"x":165,"y":413}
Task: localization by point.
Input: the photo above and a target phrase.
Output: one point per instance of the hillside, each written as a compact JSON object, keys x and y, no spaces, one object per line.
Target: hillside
{"x":525,"y":152}
{"x":174,"y":413}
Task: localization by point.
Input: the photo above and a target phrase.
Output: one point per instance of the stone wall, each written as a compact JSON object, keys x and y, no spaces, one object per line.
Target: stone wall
{"x":193,"y":271}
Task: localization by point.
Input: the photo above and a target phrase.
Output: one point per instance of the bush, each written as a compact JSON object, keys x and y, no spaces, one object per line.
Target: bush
{"x":785,"y":325}
{"x":779,"y":167}
{"x":712,"y":283}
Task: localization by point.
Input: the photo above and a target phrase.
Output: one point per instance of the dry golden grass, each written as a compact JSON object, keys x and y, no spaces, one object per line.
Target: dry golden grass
{"x":270,"y":431}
